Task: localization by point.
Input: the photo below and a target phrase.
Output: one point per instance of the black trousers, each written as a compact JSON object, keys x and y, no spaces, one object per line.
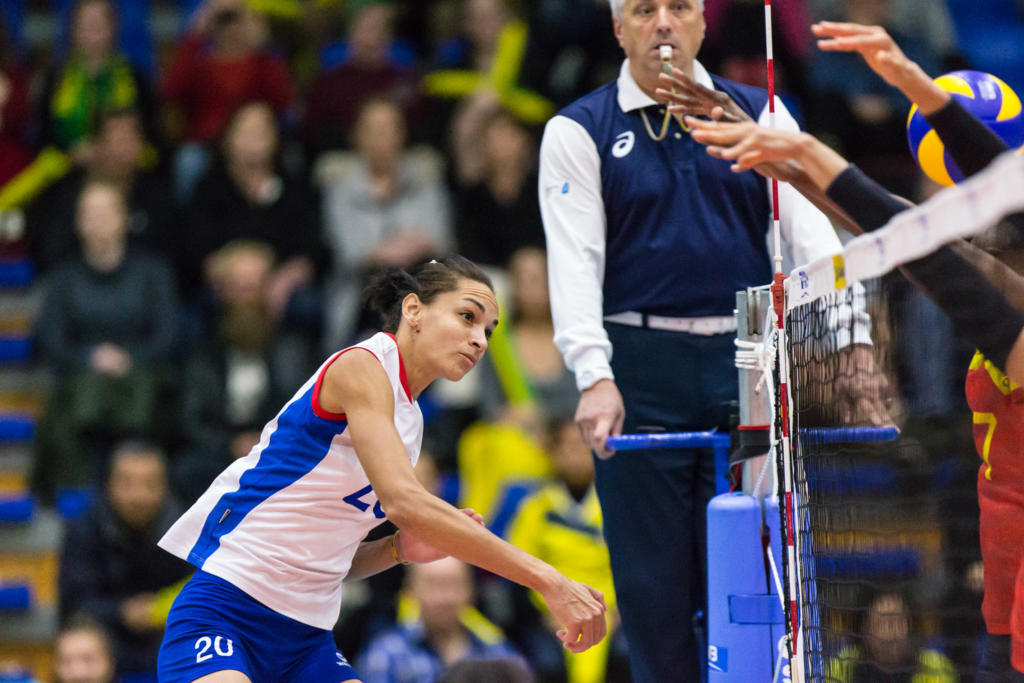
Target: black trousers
{"x":654,"y":502}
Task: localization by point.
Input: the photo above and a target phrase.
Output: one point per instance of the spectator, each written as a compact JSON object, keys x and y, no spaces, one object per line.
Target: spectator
{"x":120,"y":156}
{"x":496,"y":175}
{"x":339,"y":92}
{"x":571,"y":51}
{"x":15,"y":112}
{"x":561,"y":523}
{"x":93,"y":79}
{"x":488,"y":56}
{"x":15,"y":151}
{"x":501,"y":458}
{"x":440,"y":629}
{"x":384,"y":205}
{"x":111,"y":567}
{"x":83,"y":652}
{"x":216,"y":69}
{"x":528,"y":369}
{"x":235,"y":381}
{"x":247,"y":195}
{"x":891,"y":650}
{"x":107,"y":324}
{"x":855,"y":111}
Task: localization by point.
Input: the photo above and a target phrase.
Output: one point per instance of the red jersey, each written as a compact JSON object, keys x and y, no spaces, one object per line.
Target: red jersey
{"x":998,"y":407}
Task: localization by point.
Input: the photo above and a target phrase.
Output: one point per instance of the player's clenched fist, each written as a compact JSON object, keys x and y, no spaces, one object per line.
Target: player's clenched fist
{"x":580,"y":609}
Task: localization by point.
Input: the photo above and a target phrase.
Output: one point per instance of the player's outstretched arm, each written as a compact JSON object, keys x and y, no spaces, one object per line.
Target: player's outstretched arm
{"x":749,"y":146}
{"x":356,"y":384}
{"x":971,"y":144}
{"x":988,"y":319}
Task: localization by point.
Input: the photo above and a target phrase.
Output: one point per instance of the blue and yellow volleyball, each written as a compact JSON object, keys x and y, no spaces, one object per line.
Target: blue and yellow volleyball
{"x":982,"y":94}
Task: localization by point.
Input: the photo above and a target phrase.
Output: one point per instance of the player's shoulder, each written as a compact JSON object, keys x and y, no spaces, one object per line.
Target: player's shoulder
{"x":749,"y":97}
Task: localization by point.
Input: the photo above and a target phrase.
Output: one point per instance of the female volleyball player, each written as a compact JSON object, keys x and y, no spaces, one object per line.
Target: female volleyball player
{"x":985,"y":305}
{"x":279,"y":530}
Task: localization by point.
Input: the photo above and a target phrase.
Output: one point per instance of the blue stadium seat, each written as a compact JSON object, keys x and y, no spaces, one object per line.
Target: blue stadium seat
{"x":17,"y":509}
{"x":15,"y":596}
{"x":998,"y":50}
{"x":73,"y":503}
{"x":969,"y":14}
{"x":15,"y":349}
{"x":16,"y":428}
{"x":15,"y":274}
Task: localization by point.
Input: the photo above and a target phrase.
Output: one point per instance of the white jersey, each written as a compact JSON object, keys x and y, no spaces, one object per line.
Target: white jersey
{"x":284,"y":522}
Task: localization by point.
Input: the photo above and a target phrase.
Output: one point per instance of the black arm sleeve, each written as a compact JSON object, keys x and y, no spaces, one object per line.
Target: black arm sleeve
{"x":867,"y":202}
{"x":970,"y":142}
{"x":978,"y":310}
{"x":972,"y":145}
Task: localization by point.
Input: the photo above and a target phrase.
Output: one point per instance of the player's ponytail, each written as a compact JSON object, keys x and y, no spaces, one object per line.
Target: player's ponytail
{"x":389,"y":287}
{"x":385,"y":292}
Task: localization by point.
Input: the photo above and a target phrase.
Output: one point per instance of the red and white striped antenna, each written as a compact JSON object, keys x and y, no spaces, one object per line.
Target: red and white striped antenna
{"x":785,"y":452}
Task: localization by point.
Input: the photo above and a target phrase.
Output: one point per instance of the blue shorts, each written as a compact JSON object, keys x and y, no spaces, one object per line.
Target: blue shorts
{"x":215,"y":626}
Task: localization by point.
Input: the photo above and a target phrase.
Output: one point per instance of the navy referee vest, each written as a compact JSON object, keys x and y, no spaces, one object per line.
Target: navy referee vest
{"x":684,"y":232}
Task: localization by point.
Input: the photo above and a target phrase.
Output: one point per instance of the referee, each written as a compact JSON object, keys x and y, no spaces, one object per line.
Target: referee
{"x":648,"y":240}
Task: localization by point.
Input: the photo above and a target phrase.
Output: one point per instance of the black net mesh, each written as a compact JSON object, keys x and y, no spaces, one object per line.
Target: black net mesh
{"x":887,"y":525}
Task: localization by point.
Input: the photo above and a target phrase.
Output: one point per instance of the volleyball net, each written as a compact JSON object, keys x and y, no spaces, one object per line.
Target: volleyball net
{"x":876,"y":487}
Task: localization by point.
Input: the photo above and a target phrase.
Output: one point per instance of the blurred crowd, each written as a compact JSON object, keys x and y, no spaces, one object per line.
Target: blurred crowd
{"x":205,"y":202}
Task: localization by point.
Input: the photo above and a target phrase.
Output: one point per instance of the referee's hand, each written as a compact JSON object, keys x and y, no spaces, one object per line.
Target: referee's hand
{"x":599,"y":415}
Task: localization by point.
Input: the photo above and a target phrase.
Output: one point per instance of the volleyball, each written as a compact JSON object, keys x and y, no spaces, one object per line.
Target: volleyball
{"x":982,"y":94}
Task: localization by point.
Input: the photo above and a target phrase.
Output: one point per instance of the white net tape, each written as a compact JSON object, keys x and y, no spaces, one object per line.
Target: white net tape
{"x":959,"y":211}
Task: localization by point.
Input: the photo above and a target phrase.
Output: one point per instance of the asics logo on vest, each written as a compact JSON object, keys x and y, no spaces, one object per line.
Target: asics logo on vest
{"x":623,"y":144}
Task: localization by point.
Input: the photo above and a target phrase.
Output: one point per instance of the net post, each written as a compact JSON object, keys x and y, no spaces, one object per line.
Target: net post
{"x":755,"y":400}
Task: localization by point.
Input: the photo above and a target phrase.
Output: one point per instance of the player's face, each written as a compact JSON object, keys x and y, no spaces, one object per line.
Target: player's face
{"x":455,"y":328}
{"x":648,"y":24}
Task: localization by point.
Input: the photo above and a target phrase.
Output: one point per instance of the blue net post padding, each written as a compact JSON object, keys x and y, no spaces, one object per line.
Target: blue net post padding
{"x":706,"y":439}
{"x":745,"y":615}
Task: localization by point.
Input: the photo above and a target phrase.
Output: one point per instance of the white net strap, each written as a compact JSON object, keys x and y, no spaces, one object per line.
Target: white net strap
{"x":956,"y":212}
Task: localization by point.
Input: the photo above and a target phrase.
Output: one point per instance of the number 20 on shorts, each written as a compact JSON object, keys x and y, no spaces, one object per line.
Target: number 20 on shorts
{"x":221,"y":646}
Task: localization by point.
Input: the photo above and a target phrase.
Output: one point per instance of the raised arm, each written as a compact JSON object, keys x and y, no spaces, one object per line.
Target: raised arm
{"x":986,"y":317}
{"x":356,"y":384}
{"x":970,"y":142}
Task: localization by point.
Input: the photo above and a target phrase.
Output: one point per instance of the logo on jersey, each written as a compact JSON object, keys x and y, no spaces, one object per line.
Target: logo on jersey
{"x":623,"y":144}
{"x":562,"y":189}
{"x":341,"y":659}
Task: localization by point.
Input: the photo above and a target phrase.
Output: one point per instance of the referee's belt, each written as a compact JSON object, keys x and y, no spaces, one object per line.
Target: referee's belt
{"x":706,"y":326}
